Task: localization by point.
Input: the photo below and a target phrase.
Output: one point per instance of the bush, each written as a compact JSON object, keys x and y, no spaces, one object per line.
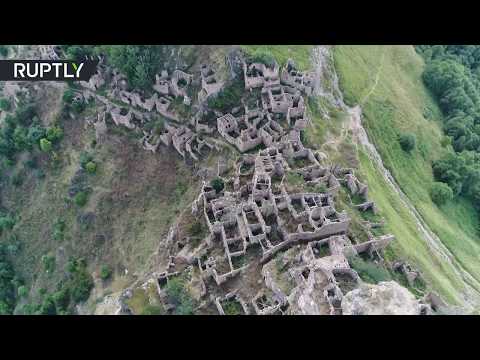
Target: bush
{"x":217,"y":184}
{"x":22,"y":291}
{"x":78,"y":106}
{"x":45,"y":145}
{"x":3,"y":50}
{"x":68,"y":96}
{"x":31,"y":163}
{"x":441,"y":193}
{"x":445,"y":141}
{"x":81,"y":198}
{"x":139,"y":63}
{"x":5,"y":104}
{"x":179,"y":296}
{"x":80,"y":282}
{"x":91,"y":167}
{"x":59,"y":230}
{"x":17,"y":179}
{"x":25,"y":114}
{"x":54,"y":133}
{"x":48,"y":307}
{"x":407,"y":142}
{"x":85,"y":158}
{"x":6,"y":223}
{"x":105,"y":272}
{"x":48,"y":263}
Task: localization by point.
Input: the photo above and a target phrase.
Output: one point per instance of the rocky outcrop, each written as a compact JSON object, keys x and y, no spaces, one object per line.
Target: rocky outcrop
{"x":385,"y":298}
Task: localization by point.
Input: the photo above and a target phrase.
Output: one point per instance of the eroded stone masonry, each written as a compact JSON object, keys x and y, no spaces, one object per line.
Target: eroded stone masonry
{"x":275,"y":244}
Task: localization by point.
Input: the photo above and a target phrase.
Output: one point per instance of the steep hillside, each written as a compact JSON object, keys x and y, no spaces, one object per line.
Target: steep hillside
{"x":386,"y":82}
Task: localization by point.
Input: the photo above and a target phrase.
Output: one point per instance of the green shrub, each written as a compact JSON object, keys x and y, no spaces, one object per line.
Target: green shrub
{"x":31,"y":163}
{"x":80,"y":282}
{"x":445,"y":141}
{"x":105,"y":272}
{"x":68,"y":96}
{"x":48,"y":307}
{"x":22,"y":291}
{"x":6,"y":223}
{"x":232,"y":307}
{"x":217,"y":184}
{"x":81,"y":198}
{"x":91,"y":167}
{"x":407,"y":142}
{"x":4,"y":50}
{"x":48,"y":263}
{"x":179,"y":296}
{"x":441,"y":193}
{"x":5,"y":105}
{"x":17,"y":179}
{"x":42,"y":291}
{"x":61,"y":298}
{"x":369,"y":271}
{"x":85,"y":158}
{"x":45,"y":145}
{"x":78,"y":106}
{"x":54,"y":133}
{"x":59,"y":230}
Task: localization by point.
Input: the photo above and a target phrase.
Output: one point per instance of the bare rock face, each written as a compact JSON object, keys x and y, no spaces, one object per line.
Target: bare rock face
{"x":385,"y":298}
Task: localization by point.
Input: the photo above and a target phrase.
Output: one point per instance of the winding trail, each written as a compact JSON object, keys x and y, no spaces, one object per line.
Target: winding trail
{"x":375,"y":82}
{"x":471,"y":296}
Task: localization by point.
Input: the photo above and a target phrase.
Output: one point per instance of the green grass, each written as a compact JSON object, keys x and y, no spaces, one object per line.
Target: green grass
{"x":394,"y":106}
{"x":281,"y":53}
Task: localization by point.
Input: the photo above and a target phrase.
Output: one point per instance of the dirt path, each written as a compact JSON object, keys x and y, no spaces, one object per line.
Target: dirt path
{"x":375,"y":83}
{"x":471,"y":296}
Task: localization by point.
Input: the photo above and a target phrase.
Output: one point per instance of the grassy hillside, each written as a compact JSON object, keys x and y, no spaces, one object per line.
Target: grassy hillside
{"x":131,"y":204}
{"x":300,"y":53}
{"x":386,"y":82}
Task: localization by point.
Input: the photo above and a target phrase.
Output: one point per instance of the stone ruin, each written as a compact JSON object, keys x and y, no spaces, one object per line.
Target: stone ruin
{"x":258,"y":216}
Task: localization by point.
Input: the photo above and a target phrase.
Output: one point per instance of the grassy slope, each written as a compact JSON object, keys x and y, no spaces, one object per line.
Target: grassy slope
{"x":300,"y":53}
{"x":133,"y":200}
{"x":396,"y":105}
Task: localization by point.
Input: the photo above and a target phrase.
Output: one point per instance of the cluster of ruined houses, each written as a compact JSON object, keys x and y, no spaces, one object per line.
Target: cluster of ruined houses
{"x":255,"y":210}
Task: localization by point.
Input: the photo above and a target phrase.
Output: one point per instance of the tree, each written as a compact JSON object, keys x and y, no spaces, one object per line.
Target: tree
{"x":91,"y":167}
{"x":5,"y":104}
{"x":217,"y":184}
{"x":3,"y":50}
{"x":441,"y":193}
{"x":139,"y":63}
{"x":105,"y":272}
{"x":6,"y":223}
{"x":22,"y":291}
{"x":68,"y":96}
{"x":407,"y":142}
{"x":54,"y":133}
{"x":35,"y":133}
{"x":81,"y":198}
{"x":20,"y":138}
{"x":45,"y":145}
